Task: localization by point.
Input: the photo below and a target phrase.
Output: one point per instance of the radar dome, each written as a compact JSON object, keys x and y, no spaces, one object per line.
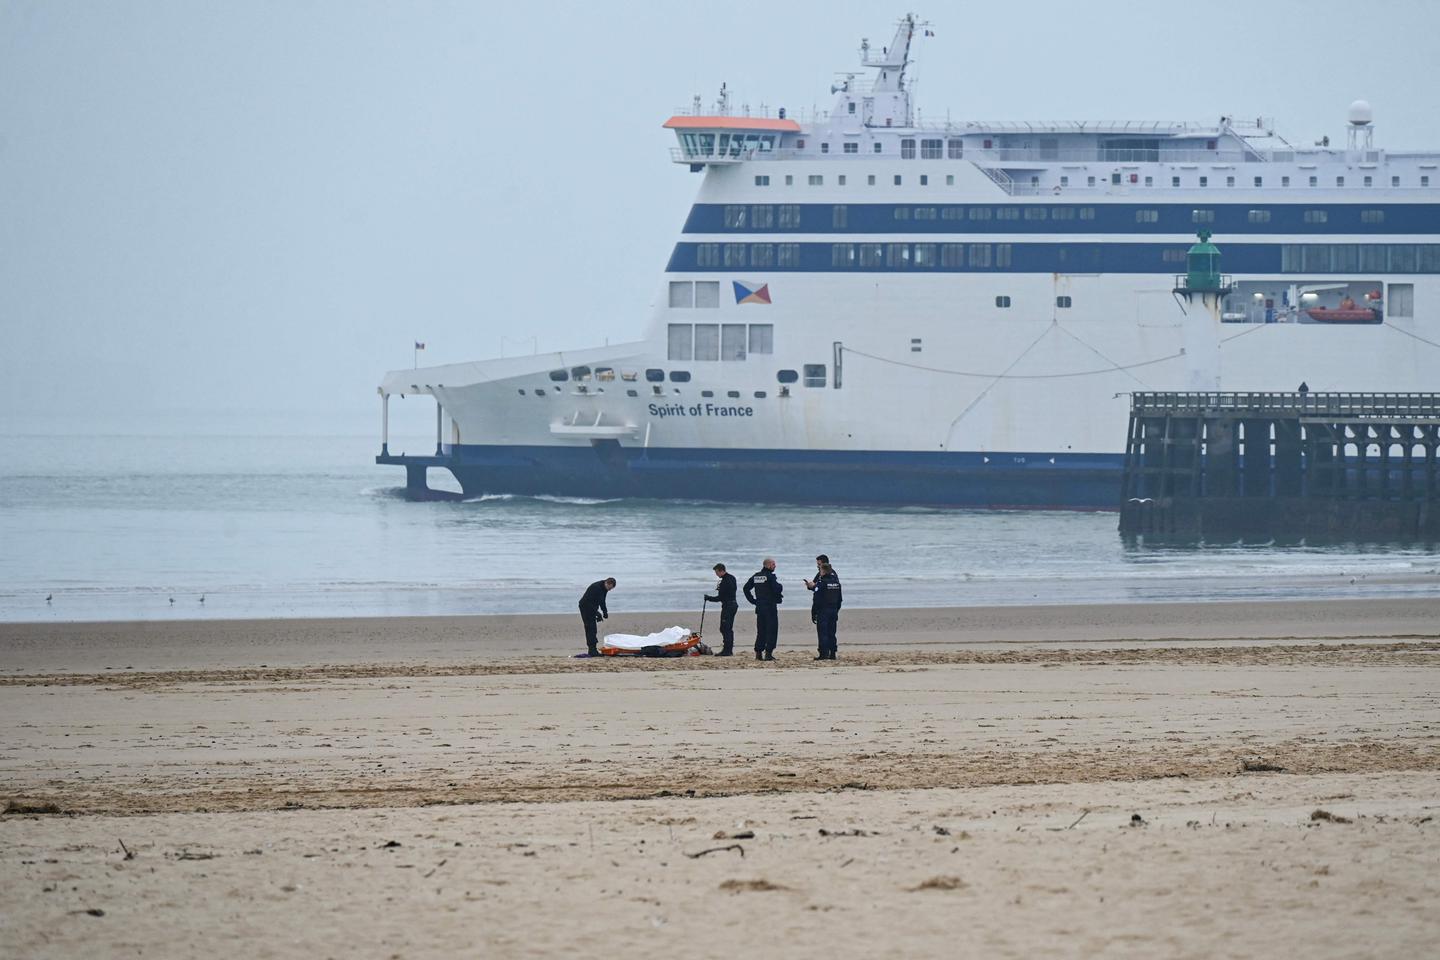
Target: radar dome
{"x":1361,"y":114}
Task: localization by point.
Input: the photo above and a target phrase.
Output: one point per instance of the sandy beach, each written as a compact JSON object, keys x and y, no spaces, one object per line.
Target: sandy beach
{"x":1238,"y":780}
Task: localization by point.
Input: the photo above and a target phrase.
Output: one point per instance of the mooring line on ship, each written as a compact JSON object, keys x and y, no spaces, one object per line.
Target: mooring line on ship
{"x":1413,"y":336}
{"x":1016,"y":376}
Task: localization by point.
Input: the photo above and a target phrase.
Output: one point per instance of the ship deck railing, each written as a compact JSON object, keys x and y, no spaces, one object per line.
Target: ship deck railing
{"x":1406,"y":406}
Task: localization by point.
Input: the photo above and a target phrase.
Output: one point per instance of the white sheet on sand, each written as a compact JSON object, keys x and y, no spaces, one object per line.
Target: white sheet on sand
{"x":626,"y":641}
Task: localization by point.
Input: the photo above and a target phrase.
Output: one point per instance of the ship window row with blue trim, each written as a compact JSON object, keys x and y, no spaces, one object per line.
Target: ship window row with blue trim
{"x":1405,"y":218}
{"x":1080,"y":257}
{"x":1360,"y":258}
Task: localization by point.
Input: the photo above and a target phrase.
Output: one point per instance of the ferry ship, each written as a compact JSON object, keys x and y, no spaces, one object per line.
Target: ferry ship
{"x":864,"y":308}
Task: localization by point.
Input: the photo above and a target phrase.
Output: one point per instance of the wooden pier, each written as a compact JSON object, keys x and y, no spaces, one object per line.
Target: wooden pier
{"x":1221,"y":467}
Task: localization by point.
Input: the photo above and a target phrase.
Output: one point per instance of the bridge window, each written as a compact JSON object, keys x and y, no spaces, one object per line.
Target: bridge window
{"x":789,"y":216}
{"x":952,"y":213}
{"x":952,"y":255}
{"x":1062,"y":213}
{"x":734,"y":217}
{"x":707,"y":293}
{"x":1002,"y":255}
{"x":897,"y":256}
{"x":707,"y":254}
{"x":762,"y":254}
{"x":1259,"y":216}
{"x":842,"y":254}
{"x":871,"y":254}
{"x":955,"y":149}
{"x":1372,"y":216}
{"x":1316,"y":216}
{"x":1173,"y":255}
{"x":1087,"y":213}
{"x":839,"y":216}
{"x":979,"y":254}
{"x":907,"y":149}
{"x":924,"y":254}
{"x":682,"y":346}
{"x":924,"y":213}
{"x":1035,"y":213}
{"x":734,"y":254}
{"x":980,"y":213}
{"x":1007,"y":213}
{"x":1147,"y":216}
{"x":789,"y":255}
{"x":762,"y":216}
{"x":814,"y":374}
{"x":1202,"y":216}
{"x":930,"y":149}
{"x":902,"y":213}
{"x":762,"y":339}
{"x":682,"y":293}
{"x":707,"y":341}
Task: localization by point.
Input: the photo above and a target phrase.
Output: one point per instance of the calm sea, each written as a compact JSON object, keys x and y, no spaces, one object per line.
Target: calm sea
{"x":114,"y":527}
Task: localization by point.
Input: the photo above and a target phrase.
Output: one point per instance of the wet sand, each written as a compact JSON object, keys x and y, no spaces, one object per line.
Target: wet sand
{"x":970,"y":790}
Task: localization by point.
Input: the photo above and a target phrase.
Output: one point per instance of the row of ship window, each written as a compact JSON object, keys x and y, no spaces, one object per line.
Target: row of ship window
{"x":1298,"y":257}
{"x":813,"y":375}
{"x":762,"y":216}
{"x":1115,"y":179}
{"x":720,"y":341}
{"x":1360,"y":258}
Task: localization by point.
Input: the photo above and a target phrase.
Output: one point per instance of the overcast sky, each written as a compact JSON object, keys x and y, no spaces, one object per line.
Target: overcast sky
{"x":246,"y":211}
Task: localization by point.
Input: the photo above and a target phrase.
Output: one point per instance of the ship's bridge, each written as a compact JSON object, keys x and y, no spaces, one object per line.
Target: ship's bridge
{"x":725,"y":139}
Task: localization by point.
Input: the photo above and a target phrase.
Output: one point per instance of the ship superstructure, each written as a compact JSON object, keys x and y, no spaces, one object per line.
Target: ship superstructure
{"x":864,"y":307}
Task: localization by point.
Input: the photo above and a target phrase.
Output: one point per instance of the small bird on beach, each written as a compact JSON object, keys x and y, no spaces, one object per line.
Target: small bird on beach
{"x":202,"y":598}
{"x":49,"y":597}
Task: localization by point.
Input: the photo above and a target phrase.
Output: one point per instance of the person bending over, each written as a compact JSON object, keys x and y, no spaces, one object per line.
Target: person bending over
{"x":593,"y":610}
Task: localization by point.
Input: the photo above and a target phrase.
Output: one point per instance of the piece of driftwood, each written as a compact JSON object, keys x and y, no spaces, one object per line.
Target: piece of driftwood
{"x":728,"y":846}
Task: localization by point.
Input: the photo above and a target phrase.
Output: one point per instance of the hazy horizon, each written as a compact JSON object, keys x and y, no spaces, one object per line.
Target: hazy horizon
{"x":244,"y":214}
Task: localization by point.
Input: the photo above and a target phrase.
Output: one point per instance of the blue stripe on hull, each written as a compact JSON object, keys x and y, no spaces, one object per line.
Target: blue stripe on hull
{"x":1008,"y":480}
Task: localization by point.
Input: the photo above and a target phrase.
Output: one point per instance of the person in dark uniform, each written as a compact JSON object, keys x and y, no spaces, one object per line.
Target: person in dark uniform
{"x":725,"y":596}
{"x":764,"y":593}
{"x":825,"y":610}
{"x":593,"y":610}
{"x":820,"y":561}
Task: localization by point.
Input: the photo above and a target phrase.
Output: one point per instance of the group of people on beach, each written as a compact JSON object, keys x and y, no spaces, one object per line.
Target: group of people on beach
{"x":763,"y":590}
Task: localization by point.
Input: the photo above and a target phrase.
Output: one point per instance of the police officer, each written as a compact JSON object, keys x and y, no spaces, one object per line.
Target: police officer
{"x":825,"y":610}
{"x":764,"y":593}
{"x":820,"y":561}
{"x":725,"y":596}
{"x":593,"y":610}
